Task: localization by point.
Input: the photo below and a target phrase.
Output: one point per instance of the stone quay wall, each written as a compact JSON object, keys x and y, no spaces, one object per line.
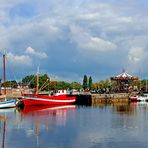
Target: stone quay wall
{"x":109,"y":98}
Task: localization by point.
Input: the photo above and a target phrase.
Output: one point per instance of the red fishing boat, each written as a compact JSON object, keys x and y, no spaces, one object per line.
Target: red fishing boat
{"x":59,"y":97}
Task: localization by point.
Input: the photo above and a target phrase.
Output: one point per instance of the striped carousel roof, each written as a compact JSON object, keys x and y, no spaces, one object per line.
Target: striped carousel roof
{"x":123,"y":76}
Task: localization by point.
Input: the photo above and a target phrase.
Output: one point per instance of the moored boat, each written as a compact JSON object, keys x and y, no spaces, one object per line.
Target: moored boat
{"x":143,"y":97}
{"x":8,"y":104}
{"x":4,"y":103}
{"x":61,"y":97}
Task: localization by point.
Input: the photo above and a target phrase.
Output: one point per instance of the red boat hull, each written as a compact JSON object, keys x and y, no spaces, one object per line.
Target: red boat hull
{"x":133,"y":99}
{"x":32,"y":99}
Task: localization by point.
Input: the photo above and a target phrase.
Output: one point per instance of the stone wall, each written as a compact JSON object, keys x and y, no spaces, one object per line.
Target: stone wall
{"x":109,"y":98}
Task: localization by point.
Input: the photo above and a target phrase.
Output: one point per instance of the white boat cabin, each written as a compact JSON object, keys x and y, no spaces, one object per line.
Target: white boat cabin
{"x":61,"y":92}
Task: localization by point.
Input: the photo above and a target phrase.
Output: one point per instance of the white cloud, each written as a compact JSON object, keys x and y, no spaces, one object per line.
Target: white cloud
{"x":19,"y":60}
{"x":96,"y":27}
{"x":136,"y":55}
{"x":98,"y":44}
{"x":33,"y":52}
{"x":85,"y":40}
{"x":89,"y":16}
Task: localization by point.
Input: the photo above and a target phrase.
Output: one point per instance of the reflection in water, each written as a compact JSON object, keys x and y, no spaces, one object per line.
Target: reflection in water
{"x":32,"y":120}
{"x":123,"y":108}
{"x":110,"y":126}
{"x":43,"y":113}
{"x":4,"y":117}
{"x":3,"y":120}
{"x":42,"y":117}
{"x":131,"y":116}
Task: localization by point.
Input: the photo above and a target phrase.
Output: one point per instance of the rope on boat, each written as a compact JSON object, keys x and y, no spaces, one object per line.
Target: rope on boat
{"x":44,"y":85}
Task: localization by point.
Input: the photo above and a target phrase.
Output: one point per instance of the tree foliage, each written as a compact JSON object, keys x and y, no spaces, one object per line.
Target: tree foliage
{"x":50,"y":85}
{"x":90,"y":83}
{"x":12,"y":84}
{"x":101,"y":84}
{"x":75,"y":85}
{"x":31,"y":81}
{"x":85,"y":84}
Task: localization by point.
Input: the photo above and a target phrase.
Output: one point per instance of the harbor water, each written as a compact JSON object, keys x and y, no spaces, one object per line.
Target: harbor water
{"x":101,"y":126}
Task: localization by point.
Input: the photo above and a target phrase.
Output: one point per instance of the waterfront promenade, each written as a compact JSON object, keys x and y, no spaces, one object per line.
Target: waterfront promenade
{"x":84,"y":97}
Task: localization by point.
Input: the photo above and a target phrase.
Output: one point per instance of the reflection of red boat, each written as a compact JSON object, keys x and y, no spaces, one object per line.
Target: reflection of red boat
{"x":39,"y":118}
{"x":45,"y":109}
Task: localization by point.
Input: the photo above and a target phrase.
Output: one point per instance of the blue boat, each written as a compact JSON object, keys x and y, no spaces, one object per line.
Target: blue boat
{"x":8,"y":104}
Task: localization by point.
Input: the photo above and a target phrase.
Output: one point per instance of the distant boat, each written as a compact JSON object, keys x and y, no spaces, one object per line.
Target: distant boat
{"x":143,"y":97}
{"x":60,"y":97}
{"x":4,"y":103}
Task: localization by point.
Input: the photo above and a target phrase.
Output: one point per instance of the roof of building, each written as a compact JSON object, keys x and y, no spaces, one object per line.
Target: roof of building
{"x":124,"y":76}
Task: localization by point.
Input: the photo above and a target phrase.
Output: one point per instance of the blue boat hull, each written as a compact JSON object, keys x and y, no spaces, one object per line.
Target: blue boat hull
{"x":8,"y":104}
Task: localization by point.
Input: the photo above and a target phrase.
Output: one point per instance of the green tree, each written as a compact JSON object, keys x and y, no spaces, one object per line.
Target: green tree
{"x":75,"y":85}
{"x":85,"y":82}
{"x":12,"y":84}
{"x":90,"y":83}
{"x":44,"y":82}
{"x":62,"y":85}
{"x":31,"y":81}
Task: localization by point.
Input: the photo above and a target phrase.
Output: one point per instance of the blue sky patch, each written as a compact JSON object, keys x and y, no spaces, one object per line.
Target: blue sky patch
{"x":23,"y":10}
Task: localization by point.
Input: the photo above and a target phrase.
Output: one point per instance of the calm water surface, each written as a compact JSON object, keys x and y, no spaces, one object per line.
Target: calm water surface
{"x":102,"y":126}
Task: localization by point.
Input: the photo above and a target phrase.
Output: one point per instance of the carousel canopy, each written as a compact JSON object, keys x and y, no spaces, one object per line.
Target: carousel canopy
{"x":124,"y":76}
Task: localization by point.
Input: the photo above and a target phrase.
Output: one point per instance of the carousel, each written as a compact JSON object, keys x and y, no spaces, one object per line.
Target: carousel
{"x":123,"y":82}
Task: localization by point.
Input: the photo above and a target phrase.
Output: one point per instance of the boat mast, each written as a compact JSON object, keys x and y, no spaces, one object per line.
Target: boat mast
{"x":37,"y":82}
{"x":4,"y":66}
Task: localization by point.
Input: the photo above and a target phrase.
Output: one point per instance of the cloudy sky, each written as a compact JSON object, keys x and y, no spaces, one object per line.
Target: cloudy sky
{"x":70,"y":38}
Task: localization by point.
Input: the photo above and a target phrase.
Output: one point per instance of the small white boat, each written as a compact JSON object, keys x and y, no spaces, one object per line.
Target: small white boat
{"x":8,"y":104}
{"x":143,"y":97}
{"x":4,"y":103}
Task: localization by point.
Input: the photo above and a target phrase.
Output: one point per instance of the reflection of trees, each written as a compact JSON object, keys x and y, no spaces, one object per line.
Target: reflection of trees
{"x":123,"y":108}
{"x":123,"y":116}
{"x":131,"y":116}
